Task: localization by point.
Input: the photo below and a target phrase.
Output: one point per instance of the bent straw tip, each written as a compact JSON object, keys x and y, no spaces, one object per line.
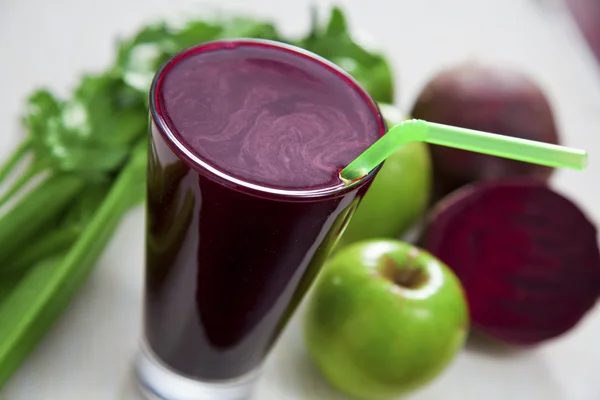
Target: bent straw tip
{"x":350,"y":175}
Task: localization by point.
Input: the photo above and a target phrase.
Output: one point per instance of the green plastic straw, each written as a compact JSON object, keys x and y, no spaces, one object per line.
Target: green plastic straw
{"x":416,"y":130}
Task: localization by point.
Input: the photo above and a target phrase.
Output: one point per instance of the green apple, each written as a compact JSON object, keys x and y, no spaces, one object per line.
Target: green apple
{"x":398,"y":196}
{"x":384,"y":318}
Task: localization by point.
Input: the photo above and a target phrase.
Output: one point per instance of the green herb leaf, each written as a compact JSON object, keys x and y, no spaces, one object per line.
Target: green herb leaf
{"x":139,"y":57}
{"x":336,"y":44}
{"x":92,"y":132}
{"x":243,"y":27}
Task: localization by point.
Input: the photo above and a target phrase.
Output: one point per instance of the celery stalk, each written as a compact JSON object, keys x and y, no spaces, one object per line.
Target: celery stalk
{"x":49,"y":245}
{"x":40,"y":297}
{"x":13,"y":161}
{"x":28,"y":218}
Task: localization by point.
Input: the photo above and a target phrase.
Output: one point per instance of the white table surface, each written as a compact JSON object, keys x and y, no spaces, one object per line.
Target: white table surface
{"x":87,"y":354}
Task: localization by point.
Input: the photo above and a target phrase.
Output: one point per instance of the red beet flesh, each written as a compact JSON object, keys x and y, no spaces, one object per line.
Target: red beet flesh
{"x":527,"y":257}
{"x":487,"y":98}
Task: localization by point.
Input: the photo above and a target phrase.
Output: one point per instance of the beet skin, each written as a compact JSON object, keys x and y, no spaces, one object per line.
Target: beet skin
{"x":587,"y":16}
{"x":488,"y":98}
{"x":527,"y":257}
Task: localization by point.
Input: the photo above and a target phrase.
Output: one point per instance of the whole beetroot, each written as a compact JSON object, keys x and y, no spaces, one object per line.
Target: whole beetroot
{"x":488,"y":98}
{"x":587,"y":16}
{"x":526,"y":256}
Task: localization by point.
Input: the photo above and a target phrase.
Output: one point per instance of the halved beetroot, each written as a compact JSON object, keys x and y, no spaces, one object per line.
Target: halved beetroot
{"x":527,"y":257}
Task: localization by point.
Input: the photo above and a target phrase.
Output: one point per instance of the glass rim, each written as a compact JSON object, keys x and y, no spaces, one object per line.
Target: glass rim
{"x":196,"y":163}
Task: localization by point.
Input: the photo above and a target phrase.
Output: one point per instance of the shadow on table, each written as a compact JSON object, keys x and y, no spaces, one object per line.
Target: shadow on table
{"x":289,"y":374}
{"x":129,"y":388}
{"x":479,"y":343}
{"x":484,"y":366}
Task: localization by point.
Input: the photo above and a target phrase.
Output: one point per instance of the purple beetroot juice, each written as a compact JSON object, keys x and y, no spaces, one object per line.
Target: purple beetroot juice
{"x":244,"y":198}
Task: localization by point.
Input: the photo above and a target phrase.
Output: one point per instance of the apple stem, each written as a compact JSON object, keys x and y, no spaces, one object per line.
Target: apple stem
{"x":410,"y":277}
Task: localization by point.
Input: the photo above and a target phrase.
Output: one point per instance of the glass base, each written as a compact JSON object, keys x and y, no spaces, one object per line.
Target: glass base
{"x":158,"y":382}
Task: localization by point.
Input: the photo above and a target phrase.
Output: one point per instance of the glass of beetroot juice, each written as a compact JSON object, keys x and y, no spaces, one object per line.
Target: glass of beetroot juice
{"x":244,"y":204}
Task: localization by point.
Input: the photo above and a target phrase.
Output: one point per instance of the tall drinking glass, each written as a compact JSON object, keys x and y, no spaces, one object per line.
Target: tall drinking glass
{"x":244,"y":204}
